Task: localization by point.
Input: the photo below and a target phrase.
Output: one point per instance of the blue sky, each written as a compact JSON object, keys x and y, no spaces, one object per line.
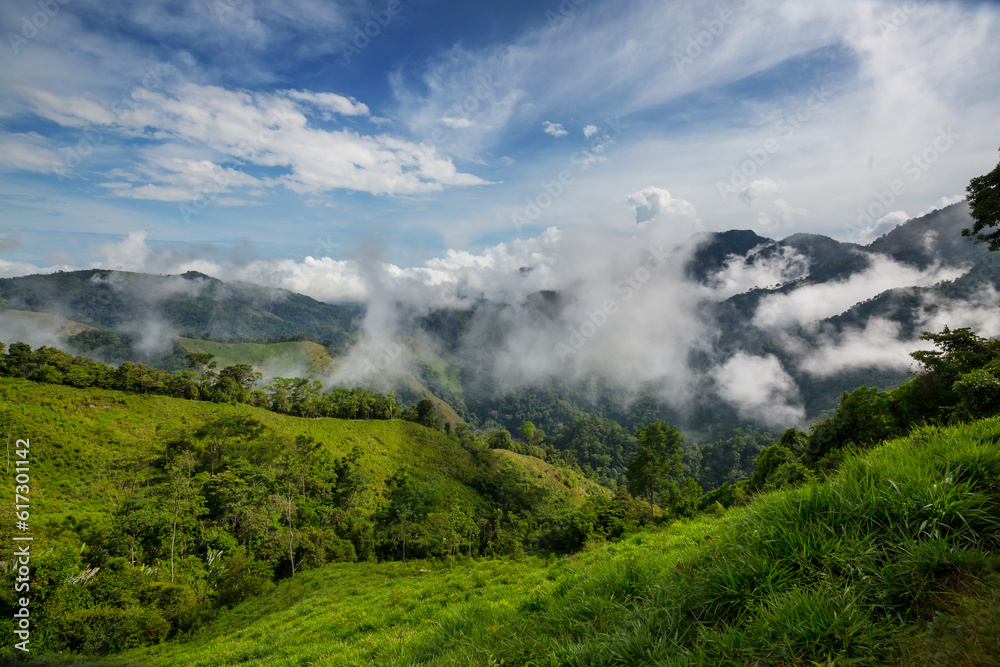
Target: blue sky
{"x":167,"y":135}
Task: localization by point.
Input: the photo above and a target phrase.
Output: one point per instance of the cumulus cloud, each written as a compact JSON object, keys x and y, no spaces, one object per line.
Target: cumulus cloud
{"x":555,"y":129}
{"x":590,"y":130}
{"x":651,"y":203}
{"x":272,"y":130}
{"x":760,"y":389}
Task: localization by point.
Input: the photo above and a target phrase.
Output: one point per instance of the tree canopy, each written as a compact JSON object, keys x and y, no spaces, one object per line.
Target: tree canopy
{"x":984,"y":202}
{"x":657,"y":461}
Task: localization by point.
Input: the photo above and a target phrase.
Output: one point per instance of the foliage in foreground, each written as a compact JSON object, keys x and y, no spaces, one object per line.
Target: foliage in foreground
{"x":893,"y":560}
{"x":152,"y":514}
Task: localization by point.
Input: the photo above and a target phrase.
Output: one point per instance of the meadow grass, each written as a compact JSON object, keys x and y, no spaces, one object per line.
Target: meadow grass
{"x":291,"y":358}
{"x":891,"y":561}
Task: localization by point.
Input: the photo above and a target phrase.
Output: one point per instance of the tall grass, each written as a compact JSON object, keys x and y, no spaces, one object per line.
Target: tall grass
{"x":894,"y":560}
{"x":844,"y":572}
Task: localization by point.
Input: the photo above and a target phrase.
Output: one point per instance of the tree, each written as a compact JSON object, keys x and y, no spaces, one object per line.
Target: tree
{"x":242,"y":374}
{"x":657,"y":461}
{"x":407,"y":506}
{"x":204,"y":361}
{"x":527,"y":433}
{"x":185,"y":501}
{"x":863,"y":418}
{"x":961,"y":351}
{"x":984,"y":202}
{"x":222,"y":432}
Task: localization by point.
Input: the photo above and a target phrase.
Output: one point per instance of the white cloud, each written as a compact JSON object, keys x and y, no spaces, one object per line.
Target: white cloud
{"x":760,"y":187}
{"x":743,"y":273}
{"x":28,"y":152}
{"x":590,"y":130}
{"x":760,"y":389}
{"x":813,"y":302}
{"x":879,"y":343}
{"x":875,"y":346}
{"x":457,"y":123}
{"x":555,"y":129}
{"x":653,"y":202}
{"x":866,"y":234}
{"x":268,"y":130}
{"x":782,"y":215}
{"x":331,"y":102}
{"x":881,"y":94}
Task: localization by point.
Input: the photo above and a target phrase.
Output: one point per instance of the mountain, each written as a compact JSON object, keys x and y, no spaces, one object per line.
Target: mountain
{"x":805,"y":309}
{"x":715,"y":248}
{"x":150,"y":310}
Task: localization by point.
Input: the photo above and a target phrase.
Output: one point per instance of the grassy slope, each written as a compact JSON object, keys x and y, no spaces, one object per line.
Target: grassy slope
{"x":568,"y":481}
{"x":444,"y":409}
{"x":75,"y":433}
{"x":275,"y":359}
{"x":893,"y":561}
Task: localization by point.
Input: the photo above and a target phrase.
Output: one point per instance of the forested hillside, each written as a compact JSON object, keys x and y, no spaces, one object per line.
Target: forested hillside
{"x":151,"y":513}
{"x":138,"y":314}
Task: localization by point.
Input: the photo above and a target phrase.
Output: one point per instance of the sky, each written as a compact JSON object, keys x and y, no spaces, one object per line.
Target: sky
{"x":300,"y":143}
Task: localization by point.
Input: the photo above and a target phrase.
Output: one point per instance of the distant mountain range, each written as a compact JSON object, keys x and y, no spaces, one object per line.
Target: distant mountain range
{"x":133,"y":315}
{"x":806,"y":320}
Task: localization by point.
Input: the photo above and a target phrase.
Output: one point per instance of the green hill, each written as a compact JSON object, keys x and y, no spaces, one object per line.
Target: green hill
{"x":117,"y":479}
{"x":292,"y":359}
{"x":76,"y":434}
{"x":894,"y":560}
{"x":151,"y":309}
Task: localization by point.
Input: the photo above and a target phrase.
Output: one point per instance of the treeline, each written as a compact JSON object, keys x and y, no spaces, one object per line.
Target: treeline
{"x":600,"y":449}
{"x":203,"y":381}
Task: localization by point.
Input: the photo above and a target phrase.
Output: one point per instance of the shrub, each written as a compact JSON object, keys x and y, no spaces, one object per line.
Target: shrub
{"x":105,"y":629}
{"x":242,"y":579}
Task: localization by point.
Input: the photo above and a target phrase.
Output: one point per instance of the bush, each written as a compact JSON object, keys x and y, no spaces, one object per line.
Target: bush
{"x":978,"y":392}
{"x":102,"y":630}
{"x":177,"y":604}
{"x":242,"y":579}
